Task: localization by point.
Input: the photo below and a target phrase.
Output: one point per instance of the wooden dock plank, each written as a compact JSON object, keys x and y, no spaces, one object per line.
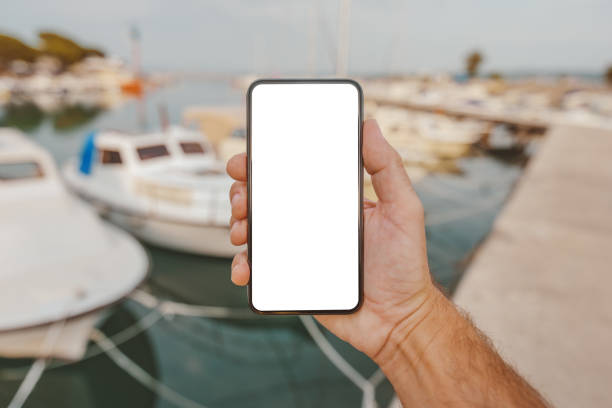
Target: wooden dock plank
{"x":541,"y":284}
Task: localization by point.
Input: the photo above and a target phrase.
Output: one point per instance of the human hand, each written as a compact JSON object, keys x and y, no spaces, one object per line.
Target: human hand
{"x":405,"y":324}
{"x":397,"y":282}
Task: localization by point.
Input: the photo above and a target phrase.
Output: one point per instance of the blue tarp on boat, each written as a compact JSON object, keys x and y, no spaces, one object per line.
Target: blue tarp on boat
{"x":88,"y":153}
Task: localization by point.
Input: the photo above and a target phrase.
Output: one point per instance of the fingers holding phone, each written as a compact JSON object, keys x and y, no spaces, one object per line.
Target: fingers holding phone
{"x":236,"y":168}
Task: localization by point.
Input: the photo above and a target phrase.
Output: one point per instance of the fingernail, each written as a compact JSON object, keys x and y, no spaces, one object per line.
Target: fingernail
{"x":232,"y":273}
{"x":234,"y":199}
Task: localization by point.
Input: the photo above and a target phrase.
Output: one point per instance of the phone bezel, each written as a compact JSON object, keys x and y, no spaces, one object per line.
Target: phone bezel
{"x":360,"y":198}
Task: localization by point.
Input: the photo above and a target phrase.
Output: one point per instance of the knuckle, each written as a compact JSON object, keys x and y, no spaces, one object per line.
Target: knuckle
{"x":396,"y":159}
{"x":238,"y":211}
{"x":417,"y":209}
{"x":237,"y":187}
{"x":238,"y":232}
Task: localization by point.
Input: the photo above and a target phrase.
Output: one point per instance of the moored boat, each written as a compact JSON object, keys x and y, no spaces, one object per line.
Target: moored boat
{"x":58,"y":258}
{"x":167,"y":188}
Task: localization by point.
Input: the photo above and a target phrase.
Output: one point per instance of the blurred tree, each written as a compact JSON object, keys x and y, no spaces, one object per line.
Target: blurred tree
{"x":608,"y":75}
{"x":12,"y":49}
{"x":472,"y":63}
{"x":64,"y":49}
{"x":51,"y":44}
{"x":74,"y":116}
{"x":26,"y":117}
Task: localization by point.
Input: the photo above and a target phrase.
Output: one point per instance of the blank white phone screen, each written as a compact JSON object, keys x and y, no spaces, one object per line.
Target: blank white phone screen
{"x":304,"y":174}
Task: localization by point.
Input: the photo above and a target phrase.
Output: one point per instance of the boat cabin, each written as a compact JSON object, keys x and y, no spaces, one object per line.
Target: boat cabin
{"x":22,"y":162}
{"x":177,"y":148}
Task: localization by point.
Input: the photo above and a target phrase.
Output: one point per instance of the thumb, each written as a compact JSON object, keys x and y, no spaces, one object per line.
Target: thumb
{"x":389,"y":178}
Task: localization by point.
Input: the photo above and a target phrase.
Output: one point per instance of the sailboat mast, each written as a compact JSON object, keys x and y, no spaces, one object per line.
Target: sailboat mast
{"x":312,"y":38}
{"x":135,"y":45}
{"x":342,"y":51}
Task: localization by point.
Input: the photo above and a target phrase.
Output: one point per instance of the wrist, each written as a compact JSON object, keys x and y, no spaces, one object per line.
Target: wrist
{"x":435,"y":357}
{"x":411,"y":336}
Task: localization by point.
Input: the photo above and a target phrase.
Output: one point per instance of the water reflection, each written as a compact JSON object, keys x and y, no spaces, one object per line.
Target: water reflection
{"x":28,"y":116}
{"x":253,"y":361}
{"x":95,"y":381}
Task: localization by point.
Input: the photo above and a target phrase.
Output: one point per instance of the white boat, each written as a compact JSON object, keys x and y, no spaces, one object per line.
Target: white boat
{"x":428,"y":132}
{"x":58,"y":259}
{"x":167,"y":188}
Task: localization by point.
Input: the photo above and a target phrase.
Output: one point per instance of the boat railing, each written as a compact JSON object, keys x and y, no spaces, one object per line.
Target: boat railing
{"x":165,"y":193}
{"x":214,"y":201}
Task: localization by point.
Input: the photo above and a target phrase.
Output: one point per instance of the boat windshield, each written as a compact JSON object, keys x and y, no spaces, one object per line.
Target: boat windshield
{"x":152,"y":152}
{"x":20,"y":170}
{"x":192,"y":148}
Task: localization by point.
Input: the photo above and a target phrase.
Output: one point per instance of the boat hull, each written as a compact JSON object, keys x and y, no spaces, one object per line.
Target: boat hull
{"x":163,"y":229}
{"x":201,"y":239}
{"x":52,"y":292}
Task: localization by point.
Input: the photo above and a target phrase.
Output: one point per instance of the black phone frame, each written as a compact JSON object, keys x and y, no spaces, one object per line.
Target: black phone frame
{"x":360,"y":203}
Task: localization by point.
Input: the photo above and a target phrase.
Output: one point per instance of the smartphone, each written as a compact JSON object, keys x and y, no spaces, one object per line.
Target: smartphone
{"x":305,"y":196}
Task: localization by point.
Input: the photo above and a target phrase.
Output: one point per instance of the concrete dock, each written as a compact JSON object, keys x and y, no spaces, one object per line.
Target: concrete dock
{"x":541,"y":284}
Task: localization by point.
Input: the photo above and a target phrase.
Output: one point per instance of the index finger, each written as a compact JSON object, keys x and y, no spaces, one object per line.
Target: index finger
{"x":237,"y":167}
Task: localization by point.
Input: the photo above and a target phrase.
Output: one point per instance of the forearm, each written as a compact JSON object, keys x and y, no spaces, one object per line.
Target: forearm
{"x":436,"y":357}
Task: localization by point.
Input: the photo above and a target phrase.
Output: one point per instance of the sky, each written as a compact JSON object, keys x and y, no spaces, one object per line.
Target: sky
{"x":300,"y":37}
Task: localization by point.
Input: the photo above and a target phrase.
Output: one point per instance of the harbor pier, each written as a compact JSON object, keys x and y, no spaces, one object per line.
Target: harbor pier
{"x":540,"y":284}
{"x":529,"y":124}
